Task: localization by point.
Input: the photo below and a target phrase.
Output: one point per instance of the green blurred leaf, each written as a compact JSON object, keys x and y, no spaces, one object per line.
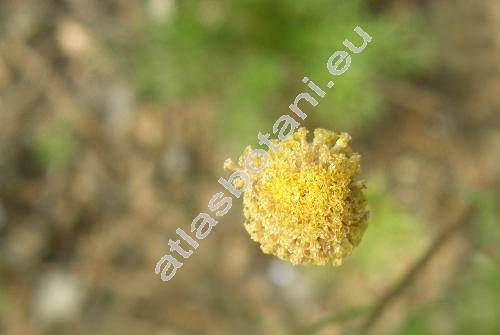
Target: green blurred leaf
{"x":55,"y":145}
{"x":246,"y":105}
{"x":192,"y":55}
{"x":394,"y":237}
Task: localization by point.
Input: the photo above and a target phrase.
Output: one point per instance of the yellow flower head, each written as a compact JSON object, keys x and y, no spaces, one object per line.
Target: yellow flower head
{"x":306,"y":205}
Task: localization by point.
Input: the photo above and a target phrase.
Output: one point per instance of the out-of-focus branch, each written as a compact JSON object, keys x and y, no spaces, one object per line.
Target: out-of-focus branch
{"x":336,"y":319}
{"x":463,"y":219}
{"x":491,"y":253}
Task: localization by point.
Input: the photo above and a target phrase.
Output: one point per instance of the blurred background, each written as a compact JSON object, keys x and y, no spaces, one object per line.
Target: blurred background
{"x":116,"y":118}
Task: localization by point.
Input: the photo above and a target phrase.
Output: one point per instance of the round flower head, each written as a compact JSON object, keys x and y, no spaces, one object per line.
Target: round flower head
{"x":306,"y":204}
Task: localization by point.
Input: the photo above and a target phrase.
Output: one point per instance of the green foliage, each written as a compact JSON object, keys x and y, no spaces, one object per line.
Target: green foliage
{"x":416,"y":324}
{"x":472,"y":302}
{"x":394,"y":238}
{"x":487,"y":232}
{"x":401,"y":49}
{"x":3,"y":296}
{"x":55,"y":145}
{"x":475,"y":301}
{"x":240,"y":51}
{"x":470,"y":306}
{"x":253,"y":88}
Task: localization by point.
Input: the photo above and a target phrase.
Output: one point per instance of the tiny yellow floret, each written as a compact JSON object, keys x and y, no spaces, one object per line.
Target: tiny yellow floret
{"x":306,"y":205}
